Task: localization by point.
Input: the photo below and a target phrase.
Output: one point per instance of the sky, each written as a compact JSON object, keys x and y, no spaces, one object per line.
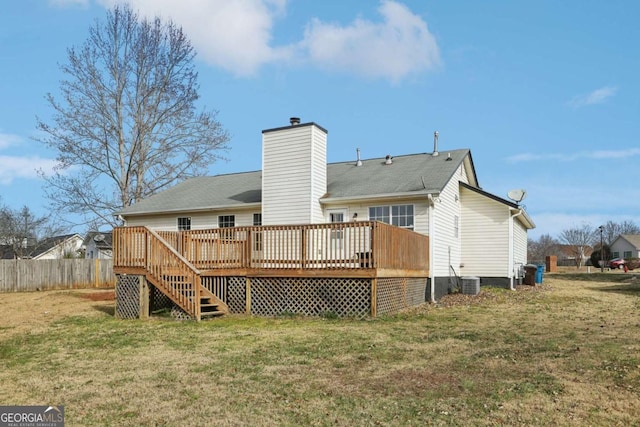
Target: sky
{"x":545,"y":94}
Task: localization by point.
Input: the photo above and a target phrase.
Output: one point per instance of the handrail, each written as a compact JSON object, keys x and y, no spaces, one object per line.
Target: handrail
{"x":170,"y":271}
{"x":351,"y":245}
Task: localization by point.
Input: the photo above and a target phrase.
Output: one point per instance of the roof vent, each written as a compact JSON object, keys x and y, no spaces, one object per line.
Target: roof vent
{"x":449,"y":157}
{"x":294,"y":121}
{"x":358,"y":162}
{"x":435,"y":144}
{"x":388,"y":159}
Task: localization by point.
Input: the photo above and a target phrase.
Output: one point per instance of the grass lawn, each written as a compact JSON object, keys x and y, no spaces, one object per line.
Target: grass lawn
{"x":564,"y":353}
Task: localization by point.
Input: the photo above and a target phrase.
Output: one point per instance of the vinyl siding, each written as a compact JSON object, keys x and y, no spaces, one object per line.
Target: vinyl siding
{"x":447,"y":247}
{"x":485,"y":240}
{"x":519,"y":243}
{"x":199,"y":220}
{"x":293,"y":175}
{"x":420,"y":211}
{"x":621,"y":246}
{"x":70,"y":246}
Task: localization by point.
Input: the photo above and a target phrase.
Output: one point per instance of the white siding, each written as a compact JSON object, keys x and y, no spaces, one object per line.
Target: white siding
{"x":293,"y":175}
{"x":199,"y":220}
{"x":519,"y":242}
{"x":70,"y":246}
{"x":420,"y":211}
{"x":446,"y":246}
{"x":93,"y":252}
{"x":485,"y":231}
{"x":622,"y":245}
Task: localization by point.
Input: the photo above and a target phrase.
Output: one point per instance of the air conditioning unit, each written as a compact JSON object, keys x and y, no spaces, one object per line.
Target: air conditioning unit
{"x":470,"y":285}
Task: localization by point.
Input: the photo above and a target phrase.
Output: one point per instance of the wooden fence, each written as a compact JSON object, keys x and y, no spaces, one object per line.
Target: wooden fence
{"x":32,"y":275}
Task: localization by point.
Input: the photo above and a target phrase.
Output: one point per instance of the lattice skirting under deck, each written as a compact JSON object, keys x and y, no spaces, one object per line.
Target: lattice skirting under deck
{"x":396,"y":293}
{"x":127,"y":297}
{"x":310,"y":296}
{"x":274,"y":296}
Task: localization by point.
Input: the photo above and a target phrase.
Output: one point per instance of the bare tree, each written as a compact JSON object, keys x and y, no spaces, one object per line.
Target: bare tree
{"x":611,"y":230}
{"x":23,"y":231}
{"x":579,"y":241}
{"x":538,"y":250}
{"x":126,"y":125}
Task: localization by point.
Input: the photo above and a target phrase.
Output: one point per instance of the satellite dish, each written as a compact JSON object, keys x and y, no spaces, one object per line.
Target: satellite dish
{"x":98,"y":237}
{"x":517,"y":195}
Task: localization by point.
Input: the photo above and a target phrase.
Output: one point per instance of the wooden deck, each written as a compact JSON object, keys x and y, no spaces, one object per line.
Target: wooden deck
{"x":178,"y":263}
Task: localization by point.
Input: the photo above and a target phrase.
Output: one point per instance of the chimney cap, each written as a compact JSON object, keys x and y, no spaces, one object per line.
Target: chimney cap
{"x":294,"y":121}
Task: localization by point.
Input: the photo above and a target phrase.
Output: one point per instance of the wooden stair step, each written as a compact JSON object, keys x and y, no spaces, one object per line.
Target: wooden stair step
{"x":209,"y":305}
{"x":212,"y":313}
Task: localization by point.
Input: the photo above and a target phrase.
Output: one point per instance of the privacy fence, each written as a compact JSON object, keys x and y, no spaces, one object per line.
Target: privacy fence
{"x":33,"y":275}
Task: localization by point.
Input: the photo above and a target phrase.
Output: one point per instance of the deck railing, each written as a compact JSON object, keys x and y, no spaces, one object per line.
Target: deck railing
{"x":363,"y":244}
{"x":142,"y":248}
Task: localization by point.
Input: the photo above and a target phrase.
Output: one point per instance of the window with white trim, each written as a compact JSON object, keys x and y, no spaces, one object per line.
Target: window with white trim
{"x":398,"y":215}
{"x":184,"y":223}
{"x":334,"y":217}
{"x":225,"y":221}
{"x":257,"y":235}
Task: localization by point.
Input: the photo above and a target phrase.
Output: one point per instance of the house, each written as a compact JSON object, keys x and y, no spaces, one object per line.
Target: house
{"x":7,"y":252}
{"x":573,"y":255}
{"x":98,"y":245}
{"x":626,"y":246}
{"x":471,"y":232}
{"x":57,"y":247}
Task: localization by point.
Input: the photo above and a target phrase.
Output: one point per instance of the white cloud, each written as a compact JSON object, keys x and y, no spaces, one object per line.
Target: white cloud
{"x":598,"y":154}
{"x":237,"y":35}
{"x":399,"y":46}
{"x":598,"y":96}
{"x":232,"y":34}
{"x":7,"y":139}
{"x":12,"y":167}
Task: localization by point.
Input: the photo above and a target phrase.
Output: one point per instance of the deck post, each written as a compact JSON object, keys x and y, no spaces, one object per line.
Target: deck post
{"x":143,"y":291}
{"x":248,"y":296}
{"x":374,"y":297}
{"x":303,"y":244}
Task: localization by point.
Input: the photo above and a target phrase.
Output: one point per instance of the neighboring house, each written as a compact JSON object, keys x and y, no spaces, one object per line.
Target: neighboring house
{"x":7,"y":252}
{"x":568,"y":255}
{"x":57,"y":247}
{"x":626,"y":246}
{"x":97,"y":245}
{"x":471,"y":232}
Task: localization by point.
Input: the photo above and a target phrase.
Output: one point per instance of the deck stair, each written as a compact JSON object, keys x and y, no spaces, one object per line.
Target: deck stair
{"x":211,"y":305}
{"x":178,"y":279}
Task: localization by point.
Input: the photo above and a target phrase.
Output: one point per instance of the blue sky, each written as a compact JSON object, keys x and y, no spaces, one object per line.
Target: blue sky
{"x":546,"y":94}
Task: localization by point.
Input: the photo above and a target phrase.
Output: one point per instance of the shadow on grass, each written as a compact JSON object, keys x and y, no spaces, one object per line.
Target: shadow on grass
{"x":626,"y":289}
{"x":107,"y":309}
{"x":596,"y":277}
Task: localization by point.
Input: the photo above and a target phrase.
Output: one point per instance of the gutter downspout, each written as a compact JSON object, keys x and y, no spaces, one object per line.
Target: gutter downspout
{"x":513,"y":248}
{"x":432,"y":277}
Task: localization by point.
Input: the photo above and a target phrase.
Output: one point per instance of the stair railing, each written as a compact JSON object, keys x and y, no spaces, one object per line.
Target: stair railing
{"x":173,"y":274}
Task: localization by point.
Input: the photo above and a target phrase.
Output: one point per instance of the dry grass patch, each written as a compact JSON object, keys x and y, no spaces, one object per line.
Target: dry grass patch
{"x":564,"y":353}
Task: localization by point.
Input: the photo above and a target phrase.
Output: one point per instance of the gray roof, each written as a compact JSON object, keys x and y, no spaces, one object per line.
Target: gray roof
{"x":102,"y":239}
{"x":415,"y":173}
{"x":633,"y":239}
